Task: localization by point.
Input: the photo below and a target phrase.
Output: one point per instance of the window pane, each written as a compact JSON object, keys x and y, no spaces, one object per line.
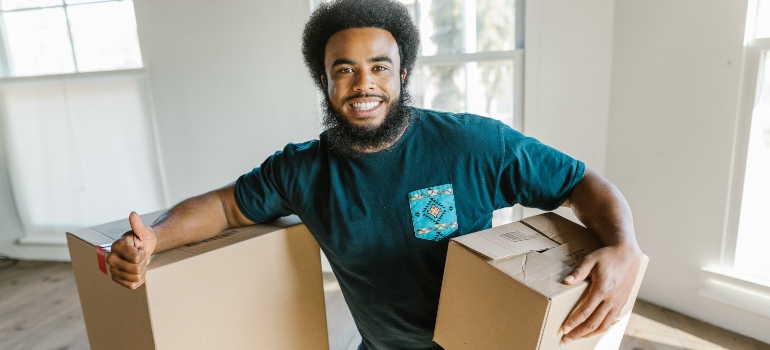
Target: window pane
{"x":25,"y":4}
{"x":104,"y":36}
{"x":484,"y":88}
{"x":464,"y":26}
{"x":754,"y":232}
{"x":762,"y":26}
{"x":38,"y":42}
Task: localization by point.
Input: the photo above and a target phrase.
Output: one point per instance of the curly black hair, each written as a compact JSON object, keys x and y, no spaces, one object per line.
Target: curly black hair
{"x":337,"y":15}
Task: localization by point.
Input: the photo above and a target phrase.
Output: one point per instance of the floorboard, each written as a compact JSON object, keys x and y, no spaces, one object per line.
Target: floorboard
{"x":40,"y":309}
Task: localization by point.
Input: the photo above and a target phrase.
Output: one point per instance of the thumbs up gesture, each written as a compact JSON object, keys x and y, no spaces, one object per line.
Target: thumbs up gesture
{"x":131,"y":253}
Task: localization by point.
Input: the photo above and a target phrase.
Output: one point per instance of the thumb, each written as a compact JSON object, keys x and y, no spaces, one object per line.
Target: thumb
{"x":140,"y":230}
{"x":580,"y":273}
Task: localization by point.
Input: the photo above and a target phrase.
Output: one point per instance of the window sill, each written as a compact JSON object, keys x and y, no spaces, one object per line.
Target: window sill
{"x":741,"y":292}
{"x":51,"y":77}
{"x":43,"y":240}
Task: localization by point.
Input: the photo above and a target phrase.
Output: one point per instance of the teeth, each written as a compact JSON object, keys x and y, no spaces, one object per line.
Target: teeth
{"x":365,"y":105}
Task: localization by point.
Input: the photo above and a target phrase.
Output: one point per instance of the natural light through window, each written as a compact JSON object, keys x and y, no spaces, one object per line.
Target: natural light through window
{"x":754,"y":231}
{"x":54,"y":37}
{"x":751,"y":256}
{"x":467,"y":56}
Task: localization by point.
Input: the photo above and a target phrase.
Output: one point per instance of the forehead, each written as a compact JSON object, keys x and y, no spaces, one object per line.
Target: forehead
{"x":361,"y":44}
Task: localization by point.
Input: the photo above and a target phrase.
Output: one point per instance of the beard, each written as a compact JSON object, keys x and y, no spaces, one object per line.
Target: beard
{"x":348,"y":140}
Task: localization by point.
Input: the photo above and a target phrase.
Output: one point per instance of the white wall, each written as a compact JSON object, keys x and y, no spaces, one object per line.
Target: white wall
{"x":228,"y":85}
{"x":568,"y":64}
{"x":568,"y":61}
{"x":675,"y":92}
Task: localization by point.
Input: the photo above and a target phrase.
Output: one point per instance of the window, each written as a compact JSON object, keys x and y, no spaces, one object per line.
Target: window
{"x":470,"y":59}
{"x":76,"y":119}
{"x":44,"y":37}
{"x":743,"y":279}
{"x":753,"y":224}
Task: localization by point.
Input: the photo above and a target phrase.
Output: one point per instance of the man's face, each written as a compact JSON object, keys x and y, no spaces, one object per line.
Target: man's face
{"x":363,"y":77}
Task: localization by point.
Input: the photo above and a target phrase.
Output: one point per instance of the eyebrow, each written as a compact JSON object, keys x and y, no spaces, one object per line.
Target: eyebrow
{"x":381,"y":59}
{"x":340,"y":61}
{"x":343,"y":60}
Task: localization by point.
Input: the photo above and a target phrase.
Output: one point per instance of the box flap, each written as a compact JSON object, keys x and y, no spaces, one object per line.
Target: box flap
{"x":538,"y":271}
{"x":573,"y":252}
{"x":506,"y":241}
{"x":107,"y":233}
{"x":555,"y":227}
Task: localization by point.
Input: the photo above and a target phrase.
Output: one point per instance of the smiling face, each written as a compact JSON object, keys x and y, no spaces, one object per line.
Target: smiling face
{"x":363,"y":75}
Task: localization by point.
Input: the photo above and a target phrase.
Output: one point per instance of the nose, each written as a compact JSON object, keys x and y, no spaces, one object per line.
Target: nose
{"x":364,"y":81}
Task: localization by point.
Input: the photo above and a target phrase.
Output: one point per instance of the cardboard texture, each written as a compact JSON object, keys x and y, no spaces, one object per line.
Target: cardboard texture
{"x":503,"y":287}
{"x":255,"y":287}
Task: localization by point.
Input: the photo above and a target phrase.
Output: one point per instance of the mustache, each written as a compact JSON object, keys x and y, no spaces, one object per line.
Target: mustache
{"x":364,"y":95}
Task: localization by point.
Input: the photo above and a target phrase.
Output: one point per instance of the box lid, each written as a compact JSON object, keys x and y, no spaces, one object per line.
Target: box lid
{"x":104,"y":235}
{"x":556,"y":227}
{"x":506,"y":241}
{"x":539,"y":251}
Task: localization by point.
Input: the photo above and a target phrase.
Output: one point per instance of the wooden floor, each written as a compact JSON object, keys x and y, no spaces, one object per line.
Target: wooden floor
{"x":39,"y":309}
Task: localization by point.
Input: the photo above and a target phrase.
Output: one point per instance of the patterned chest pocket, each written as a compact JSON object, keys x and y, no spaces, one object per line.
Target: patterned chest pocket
{"x":434,"y":214}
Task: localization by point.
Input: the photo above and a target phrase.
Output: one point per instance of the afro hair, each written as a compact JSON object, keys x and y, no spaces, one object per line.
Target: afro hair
{"x":338,"y":15}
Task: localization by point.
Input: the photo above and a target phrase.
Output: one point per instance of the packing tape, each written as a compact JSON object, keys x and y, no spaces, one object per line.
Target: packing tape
{"x":101,"y":256}
{"x":101,"y":260}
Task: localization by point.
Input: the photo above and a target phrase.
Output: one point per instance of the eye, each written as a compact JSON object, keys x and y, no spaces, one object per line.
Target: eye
{"x":345,"y":70}
{"x":380,"y":68}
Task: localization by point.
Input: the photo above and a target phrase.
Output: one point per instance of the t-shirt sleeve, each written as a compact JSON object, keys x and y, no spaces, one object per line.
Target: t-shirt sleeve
{"x":534,"y":174}
{"x":260,"y":195}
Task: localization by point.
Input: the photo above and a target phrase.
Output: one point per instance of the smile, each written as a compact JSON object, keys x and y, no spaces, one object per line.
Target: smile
{"x":365,"y":106}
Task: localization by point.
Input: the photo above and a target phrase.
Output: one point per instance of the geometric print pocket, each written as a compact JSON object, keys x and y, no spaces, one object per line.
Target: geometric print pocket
{"x":434,"y":214}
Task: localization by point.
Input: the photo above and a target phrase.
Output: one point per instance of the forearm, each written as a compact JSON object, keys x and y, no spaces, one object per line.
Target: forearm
{"x":192,"y":220}
{"x":600,"y":206}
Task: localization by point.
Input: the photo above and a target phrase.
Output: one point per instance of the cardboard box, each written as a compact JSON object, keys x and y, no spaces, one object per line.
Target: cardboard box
{"x":256,"y":287}
{"x":503,"y":287}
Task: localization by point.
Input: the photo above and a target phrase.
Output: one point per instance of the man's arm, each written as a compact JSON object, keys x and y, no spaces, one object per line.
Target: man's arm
{"x":192,"y":220}
{"x":600,"y":206}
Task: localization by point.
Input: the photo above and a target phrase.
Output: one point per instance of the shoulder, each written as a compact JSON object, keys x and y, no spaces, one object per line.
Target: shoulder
{"x":295,"y":156}
{"x":304,"y":149}
{"x":460,"y":122}
{"x":466,"y":126}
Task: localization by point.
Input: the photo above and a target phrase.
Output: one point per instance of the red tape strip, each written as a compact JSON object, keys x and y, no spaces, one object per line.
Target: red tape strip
{"x":100,"y":259}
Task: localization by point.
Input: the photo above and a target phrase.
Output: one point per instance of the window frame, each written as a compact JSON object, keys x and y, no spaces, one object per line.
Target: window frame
{"x":516,"y":55}
{"x":752,"y":72}
{"x":6,"y":72}
{"x":723,"y":283}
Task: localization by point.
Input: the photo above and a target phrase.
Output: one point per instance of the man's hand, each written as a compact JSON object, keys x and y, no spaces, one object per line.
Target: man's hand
{"x":612,"y":271}
{"x":131,"y":253}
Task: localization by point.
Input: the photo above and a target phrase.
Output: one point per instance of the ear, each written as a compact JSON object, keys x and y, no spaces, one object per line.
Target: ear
{"x":323,"y":80}
{"x":403,"y":75}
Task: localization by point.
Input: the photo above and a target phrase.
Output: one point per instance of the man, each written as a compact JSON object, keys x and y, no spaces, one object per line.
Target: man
{"x":387,"y":185}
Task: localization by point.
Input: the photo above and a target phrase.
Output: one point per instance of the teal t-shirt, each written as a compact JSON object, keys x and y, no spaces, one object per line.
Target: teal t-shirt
{"x":384,"y":220}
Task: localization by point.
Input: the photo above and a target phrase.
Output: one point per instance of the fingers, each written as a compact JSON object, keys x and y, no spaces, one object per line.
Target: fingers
{"x":610,"y":287}
{"x":580,"y":273}
{"x":128,"y":265}
{"x":582,"y":313}
{"x":138,"y":226}
{"x":124,"y":248}
{"x":127,"y":274}
{"x":610,"y":320}
{"x":596,"y":322}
